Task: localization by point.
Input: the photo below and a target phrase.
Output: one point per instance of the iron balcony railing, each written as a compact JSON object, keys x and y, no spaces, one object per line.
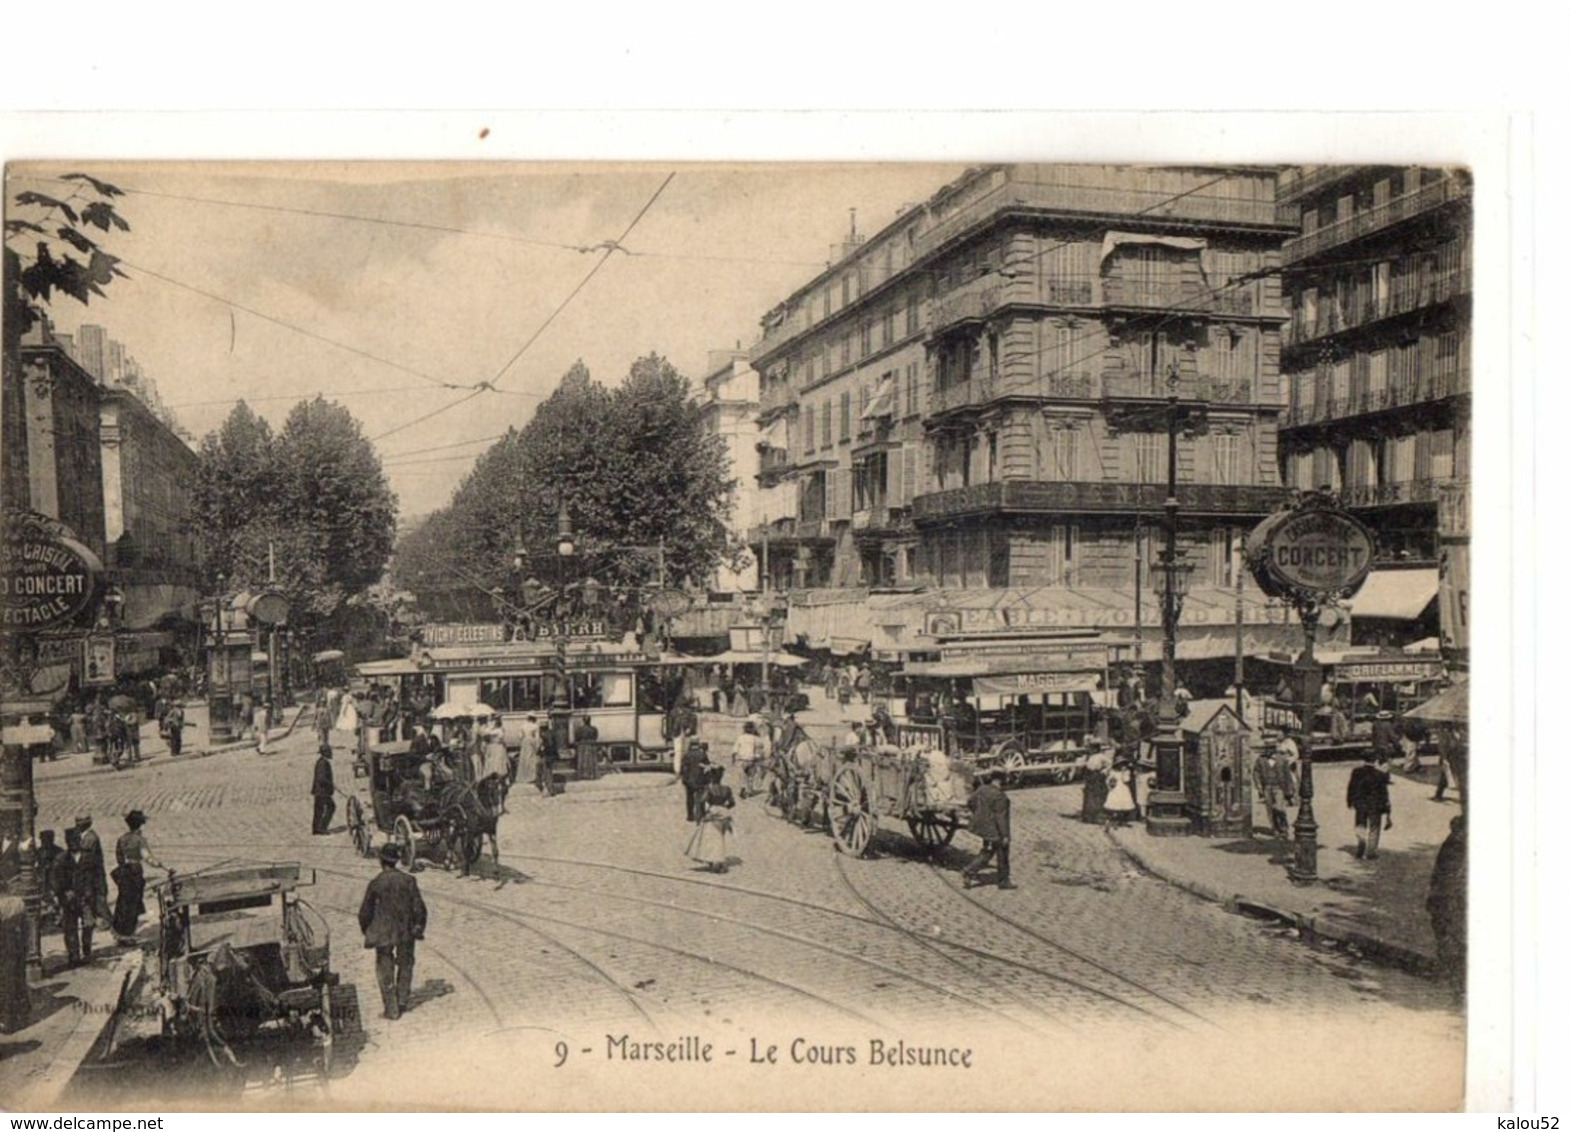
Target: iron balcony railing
{"x":1437,"y":387}
{"x":1430,"y":196}
{"x":1404,"y":297}
{"x":985,"y":198}
{"x":1391,"y":494}
{"x":1049,"y":497}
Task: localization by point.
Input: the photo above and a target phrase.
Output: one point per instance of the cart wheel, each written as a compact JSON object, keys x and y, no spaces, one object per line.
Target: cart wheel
{"x":851,"y":819}
{"x":933,"y":831}
{"x":403,"y":837}
{"x":359,"y":832}
{"x":1011,"y":757}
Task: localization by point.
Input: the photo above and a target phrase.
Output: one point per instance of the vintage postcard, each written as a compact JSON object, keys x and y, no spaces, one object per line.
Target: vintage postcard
{"x":514,"y":635}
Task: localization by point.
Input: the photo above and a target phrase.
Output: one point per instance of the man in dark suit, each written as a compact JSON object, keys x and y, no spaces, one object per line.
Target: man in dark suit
{"x":989,"y":820}
{"x":694,"y":771}
{"x":392,"y":916}
{"x":322,"y":790}
{"x":1368,"y":796}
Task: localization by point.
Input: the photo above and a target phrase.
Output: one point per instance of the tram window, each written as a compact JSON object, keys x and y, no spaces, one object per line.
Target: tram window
{"x":494,"y":693}
{"x":650,"y":692}
{"x":587,"y":691}
{"x":528,"y":694}
{"x":616,"y":689}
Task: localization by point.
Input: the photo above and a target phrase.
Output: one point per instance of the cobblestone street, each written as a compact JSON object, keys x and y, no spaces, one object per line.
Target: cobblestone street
{"x":594,"y":925}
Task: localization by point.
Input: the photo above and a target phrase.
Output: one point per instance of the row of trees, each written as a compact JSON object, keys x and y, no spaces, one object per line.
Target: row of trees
{"x":313,"y":499}
{"x":637,"y":468}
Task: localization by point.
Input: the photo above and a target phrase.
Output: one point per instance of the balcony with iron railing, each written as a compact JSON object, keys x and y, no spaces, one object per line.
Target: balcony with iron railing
{"x":1054,"y":497}
{"x":977,"y":391}
{"x":1198,"y":299}
{"x":1434,"y":195}
{"x":1300,"y":180}
{"x":1335,"y":318}
{"x":966,"y":304}
{"x":981,"y":201}
{"x":1142,"y":387}
{"x":1401,"y":394}
{"x":1391,"y":494}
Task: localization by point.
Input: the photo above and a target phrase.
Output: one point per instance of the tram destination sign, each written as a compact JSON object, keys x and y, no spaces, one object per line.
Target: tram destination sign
{"x":44,"y":582}
{"x":1317,"y":549}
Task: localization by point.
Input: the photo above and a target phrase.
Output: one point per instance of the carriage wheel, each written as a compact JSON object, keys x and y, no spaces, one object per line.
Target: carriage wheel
{"x":932,"y":831}
{"x":851,"y":819}
{"x":359,"y":832}
{"x":403,"y":837}
{"x":1011,"y":757}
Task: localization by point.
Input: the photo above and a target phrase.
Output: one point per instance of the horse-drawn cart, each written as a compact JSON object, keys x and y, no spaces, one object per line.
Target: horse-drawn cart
{"x":921,"y":788}
{"x":241,"y":957}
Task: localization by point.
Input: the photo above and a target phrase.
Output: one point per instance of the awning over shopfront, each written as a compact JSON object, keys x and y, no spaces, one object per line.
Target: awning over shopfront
{"x":731,"y":656}
{"x":400,"y":666}
{"x":1449,"y":706}
{"x":848,"y":646}
{"x":1396,"y":595}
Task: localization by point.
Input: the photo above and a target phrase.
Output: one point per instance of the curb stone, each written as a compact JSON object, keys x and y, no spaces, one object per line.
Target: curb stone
{"x":1310,"y":928}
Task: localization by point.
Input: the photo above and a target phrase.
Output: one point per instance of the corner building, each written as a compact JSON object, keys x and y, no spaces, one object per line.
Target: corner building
{"x":1377,"y":357}
{"x":974,"y":399}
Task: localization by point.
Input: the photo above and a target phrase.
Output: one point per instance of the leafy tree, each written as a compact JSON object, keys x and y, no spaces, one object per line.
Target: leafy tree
{"x":51,"y":245}
{"x":636,"y":466}
{"x":314,"y":495}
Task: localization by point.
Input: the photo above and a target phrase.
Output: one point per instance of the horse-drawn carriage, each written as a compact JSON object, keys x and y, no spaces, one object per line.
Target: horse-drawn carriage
{"x":425,"y":804}
{"x":241,"y":957}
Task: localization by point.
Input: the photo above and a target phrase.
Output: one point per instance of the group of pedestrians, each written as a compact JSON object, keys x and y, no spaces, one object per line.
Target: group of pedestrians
{"x":76,"y":883}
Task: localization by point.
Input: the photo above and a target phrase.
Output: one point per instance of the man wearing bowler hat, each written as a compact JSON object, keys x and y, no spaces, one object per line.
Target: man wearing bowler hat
{"x":97,"y":900}
{"x":989,"y":820}
{"x":322,"y":804}
{"x":392,"y":916}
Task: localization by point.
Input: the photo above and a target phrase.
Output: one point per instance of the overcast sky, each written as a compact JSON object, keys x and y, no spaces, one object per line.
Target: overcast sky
{"x":716,"y":249}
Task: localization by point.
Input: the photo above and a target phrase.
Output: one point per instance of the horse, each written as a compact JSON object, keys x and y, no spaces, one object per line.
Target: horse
{"x":469,"y":812}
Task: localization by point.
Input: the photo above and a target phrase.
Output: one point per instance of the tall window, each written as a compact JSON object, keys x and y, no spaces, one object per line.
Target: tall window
{"x":1069,"y":348}
{"x":1147,"y":458}
{"x":1228,"y":456}
{"x":808,"y":432}
{"x":1063,"y":452}
{"x":845,"y":415}
{"x":826,"y":437}
{"x":912,"y":315}
{"x":912,"y":391}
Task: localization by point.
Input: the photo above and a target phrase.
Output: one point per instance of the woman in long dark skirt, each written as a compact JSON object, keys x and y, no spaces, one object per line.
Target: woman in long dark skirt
{"x":132,"y":856}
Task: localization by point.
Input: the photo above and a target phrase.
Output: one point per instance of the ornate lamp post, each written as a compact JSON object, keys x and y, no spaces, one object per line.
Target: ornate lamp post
{"x":1312,"y":556}
{"x":1164,"y":809}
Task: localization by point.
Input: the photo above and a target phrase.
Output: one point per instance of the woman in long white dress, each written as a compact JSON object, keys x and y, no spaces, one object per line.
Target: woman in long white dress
{"x":710,"y":843}
{"x":1119,"y":806}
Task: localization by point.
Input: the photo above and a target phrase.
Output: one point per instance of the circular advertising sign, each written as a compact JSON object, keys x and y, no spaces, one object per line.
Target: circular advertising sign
{"x":44,"y":582}
{"x":1317,"y":550}
{"x":270,"y":607}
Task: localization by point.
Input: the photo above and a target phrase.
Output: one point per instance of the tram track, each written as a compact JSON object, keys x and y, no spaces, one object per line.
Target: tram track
{"x":525,"y":919}
{"x":888,"y":923}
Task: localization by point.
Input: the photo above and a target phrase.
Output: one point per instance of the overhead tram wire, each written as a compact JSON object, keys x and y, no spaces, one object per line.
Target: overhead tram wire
{"x":609,"y":247}
{"x":291,"y":326}
{"x":450,"y":230}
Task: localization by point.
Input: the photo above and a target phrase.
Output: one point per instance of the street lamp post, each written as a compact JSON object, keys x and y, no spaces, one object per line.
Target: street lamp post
{"x":1164,"y":808}
{"x":1305,"y":830}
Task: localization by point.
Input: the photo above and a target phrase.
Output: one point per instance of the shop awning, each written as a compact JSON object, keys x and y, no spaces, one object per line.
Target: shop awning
{"x":777,"y":659}
{"x":1449,"y":706}
{"x":401,"y":666}
{"x":1396,"y":595}
{"x":848,"y":646}
{"x":1114,"y":240}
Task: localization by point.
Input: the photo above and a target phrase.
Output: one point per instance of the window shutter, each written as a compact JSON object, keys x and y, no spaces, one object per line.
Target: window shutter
{"x":896,"y":465}
{"x":913,"y":485}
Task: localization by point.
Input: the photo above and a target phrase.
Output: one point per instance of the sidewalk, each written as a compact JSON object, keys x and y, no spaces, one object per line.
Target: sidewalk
{"x":1376,"y":907}
{"x":155,"y":750}
{"x":71,"y":1009}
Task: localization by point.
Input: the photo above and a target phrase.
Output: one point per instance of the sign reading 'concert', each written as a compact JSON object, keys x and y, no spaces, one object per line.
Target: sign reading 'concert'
{"x":44,"y":582}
